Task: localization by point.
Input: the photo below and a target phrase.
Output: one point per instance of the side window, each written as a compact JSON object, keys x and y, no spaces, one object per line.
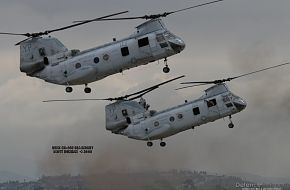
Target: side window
{"x":196,"y":111}
{"x":78,"y":65}
{"x":45,"y":61}
{"x":143,"y":42}
{"x":156,"y":123}
{"x":229,"y":105}
{"x":179,"y":116}
{"x":211,"y":103}
{"x":128,"y":120}
{"x":41,"y":52}
{"x":124,"y":112}
{"x":125,"y":51}
{"x":171,"y":119}
{"x":163,"y":45}
{"x":96,"y":60}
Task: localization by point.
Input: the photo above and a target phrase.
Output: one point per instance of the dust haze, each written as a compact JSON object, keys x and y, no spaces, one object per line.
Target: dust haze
{"x":112,"y":153}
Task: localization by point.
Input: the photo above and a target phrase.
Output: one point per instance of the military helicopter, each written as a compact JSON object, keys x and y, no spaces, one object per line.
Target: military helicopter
{"x":45,"y":57}
{"x":134,"y":119}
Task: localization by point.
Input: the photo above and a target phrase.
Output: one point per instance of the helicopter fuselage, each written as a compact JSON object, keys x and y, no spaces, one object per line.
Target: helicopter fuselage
{"x":151,"y":42}
{"x":217,"y":103}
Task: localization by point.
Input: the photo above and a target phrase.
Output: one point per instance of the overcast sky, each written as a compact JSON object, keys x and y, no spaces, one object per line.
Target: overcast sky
{"x":222,"y":40}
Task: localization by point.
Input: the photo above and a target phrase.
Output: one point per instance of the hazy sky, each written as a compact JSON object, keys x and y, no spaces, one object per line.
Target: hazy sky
{"x":222,"y":40}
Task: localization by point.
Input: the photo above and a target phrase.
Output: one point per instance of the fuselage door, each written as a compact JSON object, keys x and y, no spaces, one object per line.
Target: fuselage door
{"x":199,"y":112}
{"x":145,"y":46}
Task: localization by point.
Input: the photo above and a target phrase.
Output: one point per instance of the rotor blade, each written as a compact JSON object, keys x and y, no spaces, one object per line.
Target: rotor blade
{"x":23,"y":41}
{"x":153,"y":16}
{"x":200,"y":5}
{"x":198,"y":82}
{"x":107,"y":19}
{"x":85,"y":22}
{"x":192,"y":86}
{"x":232,"y":78}
{"x":36,"y":34}
{"x":152,"y":87}
{"x":15,"y":34}
{"x":261,"y":70}
{"x":142,"y":94}
{"x":76,"y":100}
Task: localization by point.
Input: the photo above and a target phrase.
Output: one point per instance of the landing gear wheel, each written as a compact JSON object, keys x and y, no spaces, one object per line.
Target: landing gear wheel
{"x":149,"y":143}
{"x":231,"y":125}
{"x":162,"y":144}
{"x":87,"y":90}
{"x":68,"y":89}
{"x":166,"y":69}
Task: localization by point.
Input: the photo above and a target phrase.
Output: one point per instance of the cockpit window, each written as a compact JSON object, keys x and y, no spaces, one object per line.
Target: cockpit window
{"x":168,"y":35}
{"x":160,"y":38}
{"x":235,"y":96}
{"x":211,"y":103}
{"x":226,"y":98}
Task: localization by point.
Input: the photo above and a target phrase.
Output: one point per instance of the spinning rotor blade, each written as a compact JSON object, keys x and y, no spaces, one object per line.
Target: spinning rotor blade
{"x":154,"y":16}
{"x":138,"y":94}
{"x":23,"y":41}
{"x":15,"y":34}
{"x":200,"y":5}
{"x":37,"y":34}
{"x":78,"y":24}
{"x":200,"y":83}
{"x":147,"y":90}
{"x":76,"y":100}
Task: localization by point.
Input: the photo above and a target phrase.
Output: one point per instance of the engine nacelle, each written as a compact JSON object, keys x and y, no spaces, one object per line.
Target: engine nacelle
{"x":117,"y":126}
{"x":30,"y":68}
{"x":35,"y":53}
{"x":119,"y":114}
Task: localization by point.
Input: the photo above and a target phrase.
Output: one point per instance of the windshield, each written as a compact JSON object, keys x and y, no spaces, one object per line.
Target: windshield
{"x":169,"y":35}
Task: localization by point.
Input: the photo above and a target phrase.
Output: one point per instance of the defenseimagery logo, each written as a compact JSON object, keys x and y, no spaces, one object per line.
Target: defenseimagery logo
{"x":258,"y":186}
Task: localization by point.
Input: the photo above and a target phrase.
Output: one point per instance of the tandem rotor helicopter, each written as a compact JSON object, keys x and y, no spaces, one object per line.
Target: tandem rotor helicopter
{"x":134,"y":119}
{"x":45,"y":57}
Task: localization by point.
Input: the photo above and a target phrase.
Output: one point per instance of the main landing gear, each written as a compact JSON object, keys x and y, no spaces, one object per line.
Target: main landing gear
{"x":162,"y":143}
{"x":166,"y":68}
{"x":87,"y":89}
{"x":231,"y":125}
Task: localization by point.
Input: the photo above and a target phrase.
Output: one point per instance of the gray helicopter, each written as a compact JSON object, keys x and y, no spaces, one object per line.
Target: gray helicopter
{"x":45,"y":57}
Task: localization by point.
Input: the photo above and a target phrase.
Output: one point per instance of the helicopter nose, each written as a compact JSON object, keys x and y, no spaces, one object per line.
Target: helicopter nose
{"x":240,"y":104}
{"x":177,"y":44}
